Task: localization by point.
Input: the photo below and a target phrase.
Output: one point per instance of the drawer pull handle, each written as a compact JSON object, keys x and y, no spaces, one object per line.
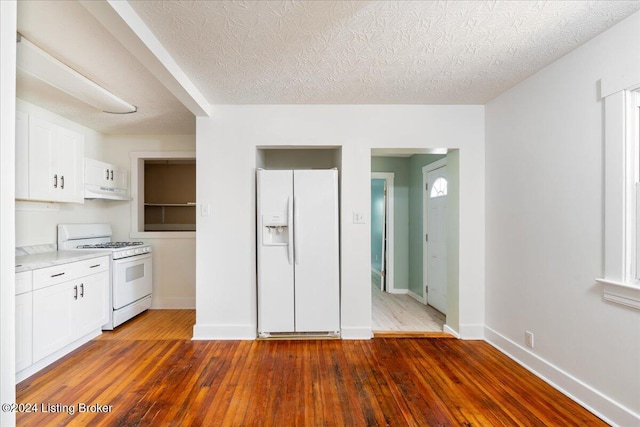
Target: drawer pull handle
{"x":75,"y":293}
{"x":94,"y":266}
{"x":56,"y":275}
{"x":82,"y":290}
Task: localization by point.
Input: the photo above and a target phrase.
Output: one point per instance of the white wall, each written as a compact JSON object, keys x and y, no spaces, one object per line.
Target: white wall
{"x":544,"y":245}
{"x":174,"y":259}
{"x":226,"y":255}
{"x":7,"y":194}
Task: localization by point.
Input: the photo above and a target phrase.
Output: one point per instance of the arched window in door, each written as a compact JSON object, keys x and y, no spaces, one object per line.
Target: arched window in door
{"x":439,"y":188}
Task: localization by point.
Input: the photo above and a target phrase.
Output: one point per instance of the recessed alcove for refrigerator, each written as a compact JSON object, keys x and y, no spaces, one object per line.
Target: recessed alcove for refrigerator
{"x":299,"y":158}
{"x":297,"y":221}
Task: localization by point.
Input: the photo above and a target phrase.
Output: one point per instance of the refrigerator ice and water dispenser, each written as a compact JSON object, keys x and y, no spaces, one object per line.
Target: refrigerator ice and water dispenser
{"x":275,"y":231}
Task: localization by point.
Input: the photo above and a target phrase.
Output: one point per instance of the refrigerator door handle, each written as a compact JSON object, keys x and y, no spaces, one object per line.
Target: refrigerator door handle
{"x":290,"y":229}
{"x":296,"y":235}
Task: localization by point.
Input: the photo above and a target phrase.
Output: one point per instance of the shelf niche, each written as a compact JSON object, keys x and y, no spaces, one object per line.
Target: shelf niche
{"x":169,"y":195}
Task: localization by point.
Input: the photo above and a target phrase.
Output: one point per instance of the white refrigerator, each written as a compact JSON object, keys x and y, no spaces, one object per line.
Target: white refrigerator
{"x":298,"y":252}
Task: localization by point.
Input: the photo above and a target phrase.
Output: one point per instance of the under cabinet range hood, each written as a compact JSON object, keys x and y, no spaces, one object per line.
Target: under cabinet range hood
{"x":97,"y":192}
{"x":105,"y":181}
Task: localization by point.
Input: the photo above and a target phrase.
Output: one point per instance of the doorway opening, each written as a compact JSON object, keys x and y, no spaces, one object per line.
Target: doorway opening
{"x":399,"y":251}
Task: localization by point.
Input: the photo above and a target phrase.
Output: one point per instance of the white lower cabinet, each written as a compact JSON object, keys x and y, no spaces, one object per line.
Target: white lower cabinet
{"x":24,"y":320}
{"x":59,"y":308}
{"x":93,"y":310}
{"x":67,"y":311}
{"x":24,"y":323}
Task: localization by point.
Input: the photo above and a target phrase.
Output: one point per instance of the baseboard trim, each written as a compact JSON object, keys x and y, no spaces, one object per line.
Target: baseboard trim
{"x":449,"y":330}
{"x":364,"y":333}
{"x":419,"y":298}
{"x":472,"y":332}
{"x":399,"y":291}
{"x":184,"y":303}
{"x":224,"y":332}
{"x":591,"y":399}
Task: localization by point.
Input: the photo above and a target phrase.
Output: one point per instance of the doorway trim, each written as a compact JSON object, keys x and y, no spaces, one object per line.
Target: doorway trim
{"x":425,"y":200}
{"x":389,"y":273}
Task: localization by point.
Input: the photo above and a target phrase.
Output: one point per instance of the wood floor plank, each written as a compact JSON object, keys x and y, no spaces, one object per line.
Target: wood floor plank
{"x":154,"y":376}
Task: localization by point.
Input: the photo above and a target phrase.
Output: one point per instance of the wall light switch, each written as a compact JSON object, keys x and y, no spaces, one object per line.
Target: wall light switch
{"x":204,"y":209}
{"x":358,"y":218}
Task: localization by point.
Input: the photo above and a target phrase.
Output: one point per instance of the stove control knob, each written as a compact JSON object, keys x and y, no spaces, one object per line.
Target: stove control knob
{"x":117,"y":254}
{"x":129,"y":252}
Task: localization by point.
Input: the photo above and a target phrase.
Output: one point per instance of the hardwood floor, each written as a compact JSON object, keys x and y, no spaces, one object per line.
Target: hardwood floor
{"x":151,"y":373}
{"x":401,"y":312}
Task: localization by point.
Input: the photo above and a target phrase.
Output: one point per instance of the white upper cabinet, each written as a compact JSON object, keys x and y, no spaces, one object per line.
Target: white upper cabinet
{"x":104,"y":180}
{"x":49,"y":161}
{"x":69,"y":163}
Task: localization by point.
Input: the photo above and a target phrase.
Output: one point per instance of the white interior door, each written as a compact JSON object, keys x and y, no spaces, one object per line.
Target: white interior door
{"x":378,"y":208}
{"x":383,"y":255}
{"x":437,"y":238}
{"x":317,"y":292}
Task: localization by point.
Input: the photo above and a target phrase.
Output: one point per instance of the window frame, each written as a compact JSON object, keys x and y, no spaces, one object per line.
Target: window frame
{"x":622,"y":197}
{"x":137,"y":194}
{"x":434,"y":187}
{"x":633,"y":182}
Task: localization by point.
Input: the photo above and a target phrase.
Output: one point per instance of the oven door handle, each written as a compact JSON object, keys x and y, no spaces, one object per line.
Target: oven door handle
{"x":134,"y":258}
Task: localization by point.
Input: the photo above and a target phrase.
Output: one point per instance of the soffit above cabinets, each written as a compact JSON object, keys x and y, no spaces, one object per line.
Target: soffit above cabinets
{"x":370,"y":52}
{"x":67,"y":31}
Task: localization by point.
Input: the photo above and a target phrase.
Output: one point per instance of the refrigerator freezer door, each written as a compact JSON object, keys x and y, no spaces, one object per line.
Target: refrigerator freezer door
{"x":317,"y":291}
{"x":275,"y":272}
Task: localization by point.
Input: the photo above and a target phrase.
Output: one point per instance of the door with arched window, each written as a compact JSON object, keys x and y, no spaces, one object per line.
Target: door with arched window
{"x":436,"y":238}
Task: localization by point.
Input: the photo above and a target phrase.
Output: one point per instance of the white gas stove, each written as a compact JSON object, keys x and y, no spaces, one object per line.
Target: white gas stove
{"x":131,"y":267}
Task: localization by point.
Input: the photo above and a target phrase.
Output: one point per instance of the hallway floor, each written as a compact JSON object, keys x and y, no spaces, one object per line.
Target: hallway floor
{"x":401,"y":312}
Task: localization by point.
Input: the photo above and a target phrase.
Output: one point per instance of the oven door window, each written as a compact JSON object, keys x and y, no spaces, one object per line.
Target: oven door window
{"x":134,"y":272}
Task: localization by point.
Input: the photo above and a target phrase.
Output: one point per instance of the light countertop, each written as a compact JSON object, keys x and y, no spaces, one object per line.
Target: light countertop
{"x":48,"y":259}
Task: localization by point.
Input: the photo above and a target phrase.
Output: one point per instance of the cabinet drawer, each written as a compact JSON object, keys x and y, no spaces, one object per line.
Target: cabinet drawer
{"x":24,"y":282}
{"x":49,"y":276}
{"x":93,"y":266}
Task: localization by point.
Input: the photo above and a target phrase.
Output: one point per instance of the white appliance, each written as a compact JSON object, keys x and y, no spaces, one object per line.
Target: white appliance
{"x":298,"y":253}
{"x":131,"y":268}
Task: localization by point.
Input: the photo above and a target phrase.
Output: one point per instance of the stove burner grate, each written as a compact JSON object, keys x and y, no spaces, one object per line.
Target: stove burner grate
{"x":110,"y":245}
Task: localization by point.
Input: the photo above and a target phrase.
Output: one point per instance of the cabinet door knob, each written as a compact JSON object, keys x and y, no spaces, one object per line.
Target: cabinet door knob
{"x":62,"y":182}
{"x":75,"y":292}
{"x":55,"y":181}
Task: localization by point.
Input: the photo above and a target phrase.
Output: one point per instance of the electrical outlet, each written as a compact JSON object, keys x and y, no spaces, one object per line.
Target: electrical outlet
{"x":204,"y":209}
{"x":528,"y":339}
{"x":358,"y":218}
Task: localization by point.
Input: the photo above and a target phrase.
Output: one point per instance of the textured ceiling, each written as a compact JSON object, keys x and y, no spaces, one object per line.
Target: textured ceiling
{"x":66,"y":30}
{"x":310,"y":52}
{"x":364,"y":52}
